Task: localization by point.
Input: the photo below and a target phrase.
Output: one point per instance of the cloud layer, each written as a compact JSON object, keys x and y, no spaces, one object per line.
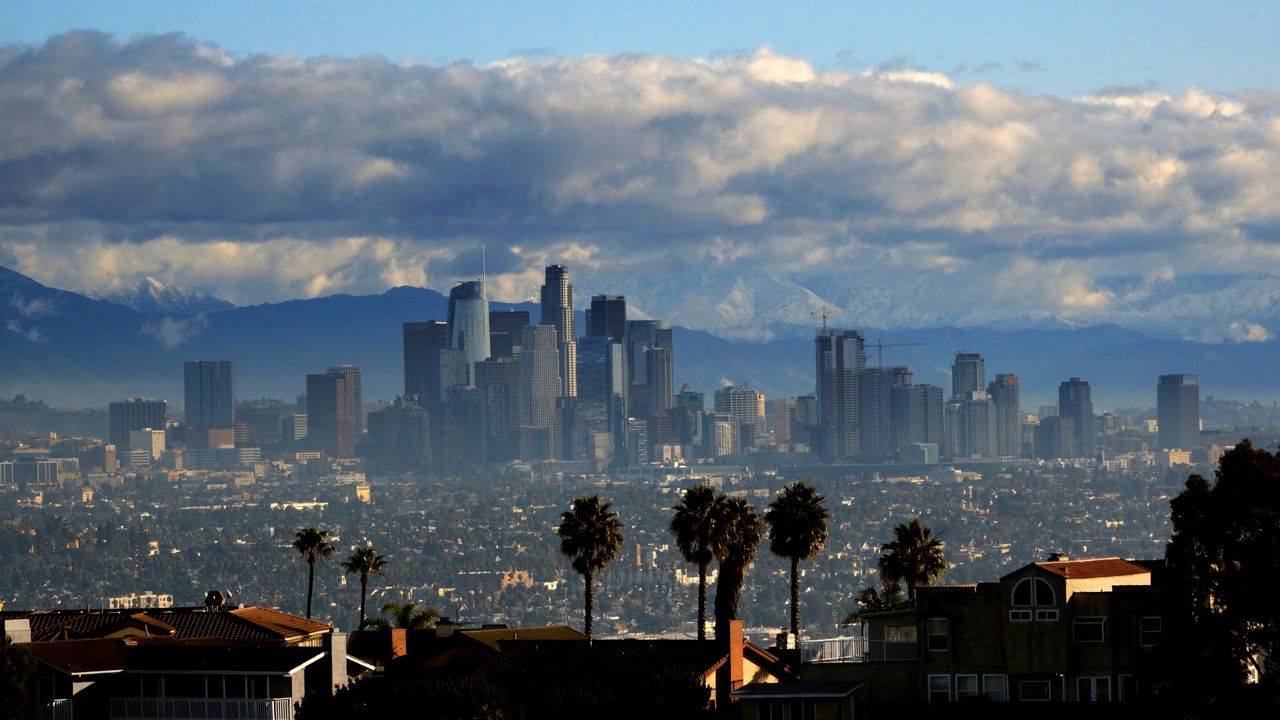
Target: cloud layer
{"x":698,"y":188}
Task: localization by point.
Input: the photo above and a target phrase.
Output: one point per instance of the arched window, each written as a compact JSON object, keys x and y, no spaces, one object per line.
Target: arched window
{"x":1033,"y":599}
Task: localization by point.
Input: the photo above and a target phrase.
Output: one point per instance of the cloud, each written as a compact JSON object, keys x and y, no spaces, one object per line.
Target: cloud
{"x":903,"y":195}
{"x":173,"y":332}
{"x":1242,"y":331}
{"x":33,"y":308}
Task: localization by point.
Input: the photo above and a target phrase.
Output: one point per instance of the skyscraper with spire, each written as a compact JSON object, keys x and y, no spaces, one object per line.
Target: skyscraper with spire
{"x":469,"y":324}
{"x":557,"y":311}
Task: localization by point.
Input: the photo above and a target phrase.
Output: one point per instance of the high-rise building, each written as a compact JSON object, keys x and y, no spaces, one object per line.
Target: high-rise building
{"x":599,"y":407}
{"x":333,"y":410}
{"x":1178,"y":411}
{"x":400,"y":435}
{"x":262,"y":423}
{"x":557,"y":311}
{"x":210,"y":393}
{"x":148,"y":440}
{"x":431,"y":367}
{"x":469,"y":324}
{"x":967,"y":374}
{"x":1004,"y":395}
{"x":505,"y":327}
{"x":1075,"y":404}
{"x":135,"y":414}
{"x":650,"y":366}
{"x":1054,"y":437}
{"x":971,"y":426}
{"x":840,"y":355}
{"x":745,"y":407}
{"x":917,"y":416}
{"x":607,"y":317}
{"x":875,"y":419}
{"x":539,"y":367}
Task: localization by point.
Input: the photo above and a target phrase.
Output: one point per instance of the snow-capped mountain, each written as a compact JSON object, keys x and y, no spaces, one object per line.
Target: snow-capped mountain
{"x":152,"y":297}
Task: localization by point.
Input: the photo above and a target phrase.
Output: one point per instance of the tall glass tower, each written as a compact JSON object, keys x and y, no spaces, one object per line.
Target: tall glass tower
{"x":557,"y":311}
{"x":469,"y":324}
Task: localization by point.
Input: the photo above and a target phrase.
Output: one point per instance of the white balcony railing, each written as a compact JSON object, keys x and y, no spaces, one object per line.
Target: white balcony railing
{"x":856,"y":650}
{"x":201,"y":709}
{"x":54,"y":710}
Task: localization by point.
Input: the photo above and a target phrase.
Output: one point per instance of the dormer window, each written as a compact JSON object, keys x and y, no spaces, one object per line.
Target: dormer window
{"x":1033,"y":599}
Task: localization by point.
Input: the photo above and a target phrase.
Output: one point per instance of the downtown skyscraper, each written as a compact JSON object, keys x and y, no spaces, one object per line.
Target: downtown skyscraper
{"x":333,"y":410}
{"x":839,"y":356}
{"x":557,"y":311}
{"x":209,"y":394}
{"x":1178,"y":411}
{"x":469,"y":325}
{"x":1075,"y":405}
{"x":650,"y":367}
{"x":1004,"y":392}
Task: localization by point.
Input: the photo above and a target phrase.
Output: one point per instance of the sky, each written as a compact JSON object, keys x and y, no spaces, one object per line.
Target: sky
{"x":729,"y":166}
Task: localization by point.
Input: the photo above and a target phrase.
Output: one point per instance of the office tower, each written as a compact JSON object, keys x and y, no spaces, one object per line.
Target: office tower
{"x":690,"y":399}
{"x":431,"y":367}
{"x":557,"y":311}
{"x":599,"y":407}
{"x":539,"y":367}
{"x":210,"y":393}
{"x":1054,"y":438}
{"x":498,"y":381}
{"x":967,"y":374}
{"x":294,"y":427}
{"x":916,"y":412}
{"x":779,"y":414}
{"x":1004,"y":395}
{"x":505,"y":327}
{"x":469,"y":324}
{"x":135,"y":414}
{"x":1075,"y":404}
{"x":333,"y":411}
{"x":742,"y":403}
{"x":971,"y":426}
{"x":150,"y":441}
{"x":607,"y":317}
{"x":719,"y":437}
{"x":262,"y":423}
{"x":353,"y":374}
{"x":690,"y":405}
{"x":840,"y":355}
{"x":650,"y":366}
{"x":400,"y":435}
{"x":1178,"y":411}
{"x":875,"y":421}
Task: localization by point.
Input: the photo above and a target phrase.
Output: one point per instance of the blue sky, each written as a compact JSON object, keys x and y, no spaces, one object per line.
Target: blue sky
{"x":729,"y":166}
{"x":1058,"y":48}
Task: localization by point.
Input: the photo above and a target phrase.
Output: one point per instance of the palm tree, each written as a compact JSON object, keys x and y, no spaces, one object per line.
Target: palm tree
{"x":364,"y":562}
{"x":591,"y":535}
{"x":797,"y":530}
{"x":405,"y":617}
{"x":313,"y":543}
{"x":737,"y":537}
{"x":694,"y":527}
{"x":914,"y":557}
{"x":870,"y":600}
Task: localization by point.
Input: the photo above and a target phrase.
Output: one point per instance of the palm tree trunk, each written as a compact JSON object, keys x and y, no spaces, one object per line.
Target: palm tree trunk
{"x":795,"y":597}
{"x":587,"y":577}
{"x":311,"y":580}
{"x":702,"y":601}
{"x":364,"y":586}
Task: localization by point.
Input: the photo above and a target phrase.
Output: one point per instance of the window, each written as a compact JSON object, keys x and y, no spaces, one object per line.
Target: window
{"x":1149,"y":630}
{"x":995,"y":688}
{"x":966,"y":687}
{"x":939,"y":630}
{"x":939,"y":688}
{"x":1033,"y":690}
{"x":1089,"y":629}
{"x":1032,"y":592}
{"x":1128,"y":687}
{"x":1016,"y":615}
{"x":776,"y":710}
{"x":1046,"y":616}
{"x":1093,"y":689}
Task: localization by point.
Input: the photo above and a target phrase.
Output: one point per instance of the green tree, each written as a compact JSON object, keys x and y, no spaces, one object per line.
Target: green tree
{"x":313,"y":544}
{"x":738,"y":533}
{"x":914,"y":557}
{"x":1224,"y":556}
{"x":17,"y":668}
{"x":871,"y":600}
{"x":405,"y":616}
{"x":797,"y":521}
{"x":590,"y":535}
{"x":693,"y":525}
{"x":364,"y":562}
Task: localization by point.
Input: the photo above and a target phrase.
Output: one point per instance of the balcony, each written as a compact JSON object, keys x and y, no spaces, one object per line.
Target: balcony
{"x":54,"y":710}
{"x":857,"y":650}
{"x":201,"y":709}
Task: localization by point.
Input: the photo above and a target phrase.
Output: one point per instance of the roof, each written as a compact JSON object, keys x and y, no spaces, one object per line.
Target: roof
{"x":246,"y":623}
{"x":493,"y":636}
{"x":796,"y":690}
{"x":281,"y":622}
{"x":76,"y":657}
{"x":1093,"y":568}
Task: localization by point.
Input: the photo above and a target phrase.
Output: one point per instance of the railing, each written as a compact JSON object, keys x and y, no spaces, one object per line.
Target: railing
{"x":54,"y":710}
{"x":201,"y":709}
{"x":856,"y":650}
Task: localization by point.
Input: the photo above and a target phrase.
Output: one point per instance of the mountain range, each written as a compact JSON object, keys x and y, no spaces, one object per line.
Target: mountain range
{"x":73,"y":350}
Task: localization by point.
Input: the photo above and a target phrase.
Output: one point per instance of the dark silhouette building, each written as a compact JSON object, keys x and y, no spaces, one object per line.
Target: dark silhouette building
{"x":1075,"y":404}
{"x":1178,"y":411}
{"x":650,"y":367}
{"x":840,"y":355}
{"x":505,"y":328}
{"x":968,"y":373}
{"x":607,"y":317}
{"x":209,"y":394}
{"x":135,"y":414}
{"x":1004,"y":391}
{"x":333,"y":410}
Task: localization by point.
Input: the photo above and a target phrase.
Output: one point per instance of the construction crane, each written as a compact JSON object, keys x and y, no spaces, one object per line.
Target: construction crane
{"x":823,"y":312}
{"x":880,"y":345}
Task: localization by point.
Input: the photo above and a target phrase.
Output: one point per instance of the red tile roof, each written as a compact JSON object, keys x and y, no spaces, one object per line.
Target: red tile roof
{"x":1093,"y":568}
{"x":283,"y":623}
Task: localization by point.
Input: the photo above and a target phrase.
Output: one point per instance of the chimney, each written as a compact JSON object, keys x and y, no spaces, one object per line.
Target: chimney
{"x":19,"y":631}
{"x":730,"y":675}
{"x":399,"y":645}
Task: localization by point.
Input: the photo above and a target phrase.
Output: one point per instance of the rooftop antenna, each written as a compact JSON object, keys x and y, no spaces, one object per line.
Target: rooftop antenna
{"x":823,"y":312}
{"x":483,"y":275}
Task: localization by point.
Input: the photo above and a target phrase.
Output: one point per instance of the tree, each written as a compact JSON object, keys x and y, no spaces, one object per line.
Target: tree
{"x":1223,"y":557}
{"x":405,"y":617}
{"x":694,"y":528}
{"x":797,"y":530}
{"x":313,"y":544}
{"x":590,"y":535}
{"x":738,"y":533}
{"x":870,"y":600}
{"x":364,"y":562}
{"x":17,"y":671}
{"x":914,"y":557}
